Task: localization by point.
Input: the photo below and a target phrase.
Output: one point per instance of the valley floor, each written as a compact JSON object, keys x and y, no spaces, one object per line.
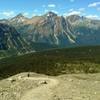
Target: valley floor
{"x":31,"y":86}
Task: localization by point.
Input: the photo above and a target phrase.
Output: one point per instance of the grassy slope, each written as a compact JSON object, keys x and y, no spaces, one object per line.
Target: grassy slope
{"x":54,"y":62}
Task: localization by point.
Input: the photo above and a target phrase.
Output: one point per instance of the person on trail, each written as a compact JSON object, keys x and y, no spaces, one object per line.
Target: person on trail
{"x":28,"y":75}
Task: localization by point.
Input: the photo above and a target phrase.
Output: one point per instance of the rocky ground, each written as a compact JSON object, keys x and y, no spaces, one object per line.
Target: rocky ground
{"x":33,"y":86}
{"x":78,"y":87}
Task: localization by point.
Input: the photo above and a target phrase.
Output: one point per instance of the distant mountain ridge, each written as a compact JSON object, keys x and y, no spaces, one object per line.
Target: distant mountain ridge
{"x":51,"y":29}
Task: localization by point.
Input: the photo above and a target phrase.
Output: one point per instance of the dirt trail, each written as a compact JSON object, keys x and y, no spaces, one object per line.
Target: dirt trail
{"x":43,"y":92}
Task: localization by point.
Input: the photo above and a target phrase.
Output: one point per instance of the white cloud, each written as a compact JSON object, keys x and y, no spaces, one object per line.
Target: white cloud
{"x":26,"y":14}
{"x":7,"y":13}
{"x":71,"y":9}
{"x":81,"y":9}
{"x":72,"y":0}
{"x":35,"y":10}
{"x":55,"y":11}
{"x":93,"y":16}
{"x":94,"y":4}
{"x":98,"y":9}
{"x":46,"y":10}
{"x":52,"y":5}
{"x":49,"y":5}
{"x":74,"y":13}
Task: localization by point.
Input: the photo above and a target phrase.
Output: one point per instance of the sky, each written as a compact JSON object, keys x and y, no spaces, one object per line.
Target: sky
{"x":29,"y":8}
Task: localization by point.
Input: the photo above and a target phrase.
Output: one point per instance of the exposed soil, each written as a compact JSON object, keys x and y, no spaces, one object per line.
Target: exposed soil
{"x":31,"y":86}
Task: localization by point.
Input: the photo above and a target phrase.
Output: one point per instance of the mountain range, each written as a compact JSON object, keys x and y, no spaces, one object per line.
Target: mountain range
{"x":47,"y":31}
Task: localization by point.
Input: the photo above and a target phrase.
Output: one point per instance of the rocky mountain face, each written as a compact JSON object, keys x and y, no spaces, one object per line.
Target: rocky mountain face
{"x":49,"y":29}
{"x":87,"y":31}
{"x":11,"y":41}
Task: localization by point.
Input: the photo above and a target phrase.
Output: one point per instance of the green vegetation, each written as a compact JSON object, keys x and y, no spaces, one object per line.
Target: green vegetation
{"x":54,"y":62}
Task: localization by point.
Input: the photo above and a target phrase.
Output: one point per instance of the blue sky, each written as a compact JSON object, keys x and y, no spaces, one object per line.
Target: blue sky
{"x":88,"y":8}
